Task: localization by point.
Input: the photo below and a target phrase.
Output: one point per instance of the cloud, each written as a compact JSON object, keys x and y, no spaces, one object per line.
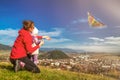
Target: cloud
{"x":57,"y":32}
{"x":79,"y":21}
{"x":9,"y":35}
{"x":106,"y":41}
{"x":112,"y":40}
{"x":117,"y":26}
{"x":7,"y":40}
{"x":14,"y":32}
{"x":96,"y":39}
{"x":107,"y":44}
{"x":54,"y":40}
{"x":9,"y":32}
{"x":95,"y":48}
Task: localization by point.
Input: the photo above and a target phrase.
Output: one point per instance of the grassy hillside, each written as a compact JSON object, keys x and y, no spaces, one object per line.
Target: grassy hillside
{"x":6,"y":73}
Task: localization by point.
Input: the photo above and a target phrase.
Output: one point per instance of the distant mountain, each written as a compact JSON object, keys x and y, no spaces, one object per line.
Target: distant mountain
{"x":66,"y":50}
{"x":4,"y":47}
{"x":55,"y":54}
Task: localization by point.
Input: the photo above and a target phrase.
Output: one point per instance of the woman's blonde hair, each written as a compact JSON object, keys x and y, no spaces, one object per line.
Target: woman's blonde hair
{"x":28,"y":24}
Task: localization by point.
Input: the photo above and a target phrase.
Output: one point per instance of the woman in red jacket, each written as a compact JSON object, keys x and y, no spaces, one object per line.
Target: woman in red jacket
{"x":22,"y":46}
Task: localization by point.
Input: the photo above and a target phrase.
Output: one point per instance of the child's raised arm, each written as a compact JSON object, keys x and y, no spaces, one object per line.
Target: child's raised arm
{"x":46,"y":37}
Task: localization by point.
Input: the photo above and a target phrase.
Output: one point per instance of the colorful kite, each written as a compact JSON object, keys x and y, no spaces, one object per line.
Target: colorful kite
{"x":94,"y":23}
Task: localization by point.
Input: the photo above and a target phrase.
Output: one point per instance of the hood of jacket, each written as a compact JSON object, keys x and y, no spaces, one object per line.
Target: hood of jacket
{"x":23,"y":32}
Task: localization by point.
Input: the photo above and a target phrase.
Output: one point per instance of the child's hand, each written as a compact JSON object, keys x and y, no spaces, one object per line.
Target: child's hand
{"x":47,"y":37}
{"x":41,"y":43}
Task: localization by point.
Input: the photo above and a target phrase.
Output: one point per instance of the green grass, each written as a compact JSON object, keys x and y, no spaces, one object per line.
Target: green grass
{"x":6,"y":73}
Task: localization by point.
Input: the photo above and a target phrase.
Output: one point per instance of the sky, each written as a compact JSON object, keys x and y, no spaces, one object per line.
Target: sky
{"x":65,"y":21}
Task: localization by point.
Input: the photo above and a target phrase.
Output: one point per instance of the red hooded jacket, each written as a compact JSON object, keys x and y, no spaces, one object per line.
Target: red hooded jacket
{"x":22,"y":45}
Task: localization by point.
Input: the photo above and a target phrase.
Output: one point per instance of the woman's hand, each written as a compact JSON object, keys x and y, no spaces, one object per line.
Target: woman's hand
{"x":41,"y":43}
{"x":47,"y":37}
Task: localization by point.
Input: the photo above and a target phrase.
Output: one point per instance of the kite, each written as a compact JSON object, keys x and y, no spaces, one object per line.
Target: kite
{"x":94,"y":23}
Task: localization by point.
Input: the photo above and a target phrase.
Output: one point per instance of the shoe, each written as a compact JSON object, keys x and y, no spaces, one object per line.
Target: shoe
{"x":22,"y":64}
{"x":17,"y":66}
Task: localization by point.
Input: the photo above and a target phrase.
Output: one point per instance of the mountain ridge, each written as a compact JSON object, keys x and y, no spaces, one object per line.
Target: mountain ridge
{"x":4,"y":47}
{"x":55,"y":54}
